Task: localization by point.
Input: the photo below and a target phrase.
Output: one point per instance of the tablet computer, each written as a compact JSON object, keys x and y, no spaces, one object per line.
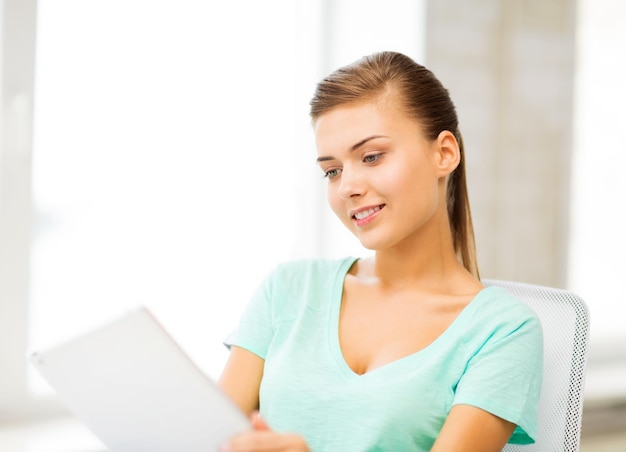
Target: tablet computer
{"x":136,"y":389}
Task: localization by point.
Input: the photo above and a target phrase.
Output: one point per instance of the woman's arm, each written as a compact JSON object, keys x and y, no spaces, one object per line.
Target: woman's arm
{"x":241,"y":378}
{"x":470,"y":429}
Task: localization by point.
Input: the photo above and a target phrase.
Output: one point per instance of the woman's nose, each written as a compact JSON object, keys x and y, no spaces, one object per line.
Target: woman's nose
{"x":350,"y":185}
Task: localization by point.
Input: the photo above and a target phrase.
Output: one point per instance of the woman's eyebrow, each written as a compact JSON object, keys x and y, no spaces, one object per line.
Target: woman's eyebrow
{"x":353,"y":148}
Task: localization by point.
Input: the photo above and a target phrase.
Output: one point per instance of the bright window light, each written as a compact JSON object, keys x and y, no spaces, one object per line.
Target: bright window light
{"x":174,"y":161}
{"x":163,"y":164}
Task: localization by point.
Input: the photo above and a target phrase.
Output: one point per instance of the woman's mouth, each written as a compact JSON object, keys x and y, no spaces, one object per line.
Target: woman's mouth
{"x":365,"y":216}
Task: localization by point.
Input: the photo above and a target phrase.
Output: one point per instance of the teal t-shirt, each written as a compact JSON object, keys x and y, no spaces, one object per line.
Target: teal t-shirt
{"x":489,"y":357}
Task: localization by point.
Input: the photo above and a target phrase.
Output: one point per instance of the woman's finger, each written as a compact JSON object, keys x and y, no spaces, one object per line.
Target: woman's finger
{"x":258,"y":422}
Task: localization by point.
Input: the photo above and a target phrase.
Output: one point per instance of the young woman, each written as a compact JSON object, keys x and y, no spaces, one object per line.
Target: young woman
{"x":405,"y":350}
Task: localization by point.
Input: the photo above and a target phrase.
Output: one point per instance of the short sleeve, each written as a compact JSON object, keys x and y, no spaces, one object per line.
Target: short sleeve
{"x":254,"y":331}
{"x":504,"y":374}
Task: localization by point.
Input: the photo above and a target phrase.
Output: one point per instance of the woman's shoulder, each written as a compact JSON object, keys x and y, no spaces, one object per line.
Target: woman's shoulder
{"x":305,"y":275}
{"x":311,"y":268}
{"x":496,"y":312}
{"x":498,"y":300}
{"x":312,"y":283}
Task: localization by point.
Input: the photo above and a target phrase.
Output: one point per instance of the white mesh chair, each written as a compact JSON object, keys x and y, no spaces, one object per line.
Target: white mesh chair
{"x":565,"y":321}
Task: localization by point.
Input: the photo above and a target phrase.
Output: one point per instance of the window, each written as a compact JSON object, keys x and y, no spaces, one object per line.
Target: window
{"x":598,"y":244}
{"x":173,"y":160}
{"x":163,"y":162}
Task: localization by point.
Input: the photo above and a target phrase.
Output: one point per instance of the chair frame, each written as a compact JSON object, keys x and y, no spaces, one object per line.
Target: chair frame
{"x":534,"y":295}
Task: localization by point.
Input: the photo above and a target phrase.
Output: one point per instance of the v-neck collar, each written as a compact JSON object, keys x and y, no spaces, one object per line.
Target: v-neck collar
{"x":408,"y":360}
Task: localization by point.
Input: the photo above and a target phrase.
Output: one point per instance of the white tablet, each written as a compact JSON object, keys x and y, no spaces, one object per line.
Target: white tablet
{"x":135,"y":388}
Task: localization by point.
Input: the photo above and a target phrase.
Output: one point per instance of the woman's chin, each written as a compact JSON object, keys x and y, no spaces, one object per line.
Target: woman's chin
{"x":373,"y":244}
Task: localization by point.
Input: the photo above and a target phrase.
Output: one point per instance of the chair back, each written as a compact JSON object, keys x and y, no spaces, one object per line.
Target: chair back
{"x":565,"y":321}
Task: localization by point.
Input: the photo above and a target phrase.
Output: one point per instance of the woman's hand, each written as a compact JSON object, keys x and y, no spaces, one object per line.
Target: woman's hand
{"x":262,"y":438}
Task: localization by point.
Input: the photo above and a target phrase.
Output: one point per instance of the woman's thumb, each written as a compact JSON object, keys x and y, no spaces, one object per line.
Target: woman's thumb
{"x":258,"y":422}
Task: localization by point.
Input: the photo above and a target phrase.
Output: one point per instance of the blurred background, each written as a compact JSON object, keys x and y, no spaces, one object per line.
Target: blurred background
{"x":160,"y":153}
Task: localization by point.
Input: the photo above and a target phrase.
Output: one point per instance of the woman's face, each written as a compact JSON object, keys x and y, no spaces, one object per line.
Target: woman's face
{"x":386,"y":180}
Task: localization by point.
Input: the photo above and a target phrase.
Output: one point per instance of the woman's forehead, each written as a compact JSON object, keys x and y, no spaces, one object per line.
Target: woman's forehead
{"x":346,"y":125}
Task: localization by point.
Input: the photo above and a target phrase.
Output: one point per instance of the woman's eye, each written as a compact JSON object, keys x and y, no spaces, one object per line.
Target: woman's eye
{"x":372,"y":158}
{"x":332,"y":173}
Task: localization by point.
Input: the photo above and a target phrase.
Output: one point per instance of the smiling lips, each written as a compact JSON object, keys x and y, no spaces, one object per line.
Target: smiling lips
{"x":365,"y":216}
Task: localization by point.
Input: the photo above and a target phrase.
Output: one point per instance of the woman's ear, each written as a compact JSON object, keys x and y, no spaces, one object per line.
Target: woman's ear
{"x":448,"y":153}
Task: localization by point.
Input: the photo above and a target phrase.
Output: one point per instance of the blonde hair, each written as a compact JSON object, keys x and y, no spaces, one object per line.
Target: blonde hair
{"x":424,"y":98}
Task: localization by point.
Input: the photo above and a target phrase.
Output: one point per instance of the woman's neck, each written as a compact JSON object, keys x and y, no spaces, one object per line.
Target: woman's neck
{"x":426,"y":261}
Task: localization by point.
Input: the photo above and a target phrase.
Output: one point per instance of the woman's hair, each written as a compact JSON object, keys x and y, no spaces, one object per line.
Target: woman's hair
{"x":424,"y":98}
